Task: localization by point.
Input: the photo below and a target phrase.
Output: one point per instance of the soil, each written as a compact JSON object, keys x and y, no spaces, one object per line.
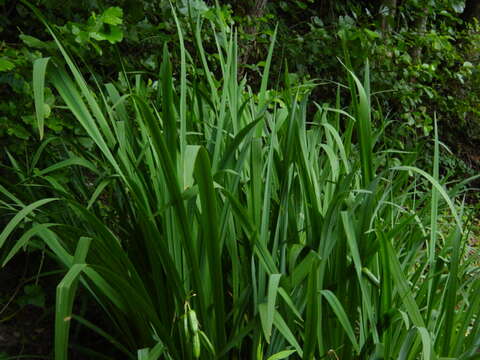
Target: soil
{"x":27,"y":331}
{"x":24,"y":329}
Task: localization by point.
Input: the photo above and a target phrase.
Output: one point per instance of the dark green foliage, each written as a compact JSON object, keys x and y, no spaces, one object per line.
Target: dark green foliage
{"x":213,"y":219}
{"x":420,"y":68}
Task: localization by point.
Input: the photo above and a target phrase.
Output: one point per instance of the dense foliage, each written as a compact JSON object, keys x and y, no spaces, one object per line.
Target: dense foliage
{"x":424,"y":55}
{"x":241,"y":181}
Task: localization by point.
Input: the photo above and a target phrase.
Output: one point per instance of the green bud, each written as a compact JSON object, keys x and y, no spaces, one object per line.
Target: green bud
{"x":192,"y":316}
{"x":196,"y":345}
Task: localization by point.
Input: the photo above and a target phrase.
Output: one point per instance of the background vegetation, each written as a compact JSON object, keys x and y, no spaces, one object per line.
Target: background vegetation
{"x":263,"y":180}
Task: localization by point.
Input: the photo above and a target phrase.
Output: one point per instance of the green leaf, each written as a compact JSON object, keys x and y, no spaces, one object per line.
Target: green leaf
{"x":427,"y":344}
{"x":372,"y":34}
{"x":98,"y":190}
{"x":282,"y":355}
{"x":63,"y":310}
{"x":34,"y":295}
{"x":113,"y":16}
{"x":403,"y":288}
{"x":341,"y":316}
{"x":6,"y":65}
{"x":283,"y":328}
{"x":458,"y":6}
{"x":20,"y":216}
{"x":268,"y":309}
{"x":23,"y":241}
{"x":210,"y":226}
{"x":35,"y":43}
{"x":113,"y":36}
{"x":66,"y":290}
{"x":110,"y":338}
{"x":438,"y":187}
{"x":73,"y":161}
{"x":312,"y":318}
{"x":39,"y":69}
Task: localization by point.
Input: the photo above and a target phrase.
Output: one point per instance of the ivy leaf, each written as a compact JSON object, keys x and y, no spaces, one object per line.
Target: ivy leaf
{"x":458,"y":6}
{"x":18,"y":131}
{"x":150,"y":62}
{"x":113,"y":16}
{"x":34,"y":295}
{"x":301,"y":5}
{"x":115,"y":35}
{"x":372,"y":34}
{"x":197,"y":7}
{"x":6,"y":65}
{"x":81,"y":36}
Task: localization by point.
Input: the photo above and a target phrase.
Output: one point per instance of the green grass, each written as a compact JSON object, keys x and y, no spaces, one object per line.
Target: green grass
{"x":239,"y":228}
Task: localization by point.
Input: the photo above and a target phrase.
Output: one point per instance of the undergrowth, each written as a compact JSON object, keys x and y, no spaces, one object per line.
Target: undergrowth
{"x":210,"y":222}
